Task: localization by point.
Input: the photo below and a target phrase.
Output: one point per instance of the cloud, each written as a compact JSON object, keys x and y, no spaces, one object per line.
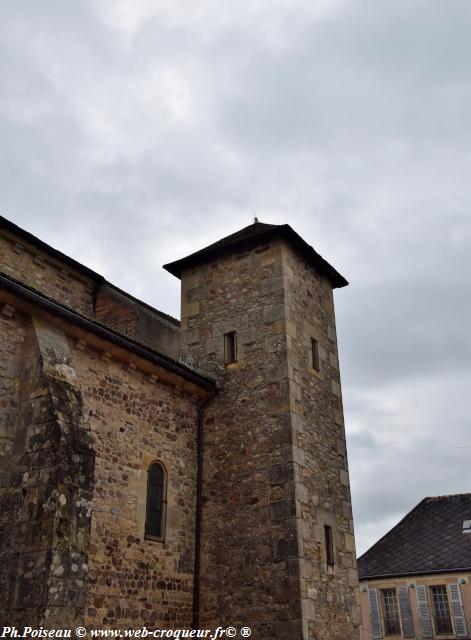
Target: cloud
{"x":407,"y":441}
{"x":135,"y":132}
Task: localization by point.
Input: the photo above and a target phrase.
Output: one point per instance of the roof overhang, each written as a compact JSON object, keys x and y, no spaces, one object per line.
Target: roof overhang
{"x":385,"y":576}
{"x":97,"y":335}
{"x":283,"y":231}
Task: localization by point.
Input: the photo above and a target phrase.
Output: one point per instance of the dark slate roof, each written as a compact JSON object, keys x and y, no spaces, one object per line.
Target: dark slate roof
{"x":251,"y":236}
{"x":429,"y":539}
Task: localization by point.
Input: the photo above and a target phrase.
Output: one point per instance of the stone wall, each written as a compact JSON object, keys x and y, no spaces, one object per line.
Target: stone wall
{"x":249,"y":554}
{"x":80,"y":431}
{"x":275,"y":460}
{"x":38,"y":270}
{"x":137,"y":321}
{"x":329,"y":595}
{"x":47,"y":483}
{"x":12,"y":337}
{"x":96,"y":299}
{"x":136,"y":420}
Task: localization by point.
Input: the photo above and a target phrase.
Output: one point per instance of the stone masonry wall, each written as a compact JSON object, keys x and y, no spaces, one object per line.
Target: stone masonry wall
{"x":275,"y":460}
{"x":37,"y":270}
{"x":329,"y":594}
{"x":12,"y":337}
{"x":136,"y":420}
{"x":249,"y":550}
{"x":121,"y":313}
{"x":46,"y":487}
{"x":81,"y":430}
{"x":137,"y":321}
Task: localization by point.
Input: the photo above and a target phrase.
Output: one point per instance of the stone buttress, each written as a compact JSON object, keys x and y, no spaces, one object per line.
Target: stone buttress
{"x":47,"y":484}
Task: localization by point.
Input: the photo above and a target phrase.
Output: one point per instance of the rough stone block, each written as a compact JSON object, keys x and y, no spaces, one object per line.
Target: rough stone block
{"x":336,"y":389}
{"x":282,"y":510}
{"x":280,"y":473}
{"x":287,"y":548}
{"x":273,"y":313}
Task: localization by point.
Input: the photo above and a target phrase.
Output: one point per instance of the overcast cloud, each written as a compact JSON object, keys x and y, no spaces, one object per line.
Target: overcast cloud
{"x":133,"y":132}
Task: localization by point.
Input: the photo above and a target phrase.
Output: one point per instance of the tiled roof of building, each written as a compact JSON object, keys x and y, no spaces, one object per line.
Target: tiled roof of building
{"x":429,"y":539}
{"x":251,"y":236}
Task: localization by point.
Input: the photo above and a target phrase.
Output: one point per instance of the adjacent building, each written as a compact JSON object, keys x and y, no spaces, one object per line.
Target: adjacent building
{"x":416,"y":581}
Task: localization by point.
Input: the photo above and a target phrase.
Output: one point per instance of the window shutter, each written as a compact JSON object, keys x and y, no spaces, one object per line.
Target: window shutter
{"x":457,"y":610}
{"x":406,"y":612}
{"x":424,"y":613}
{"x":374,"y":614}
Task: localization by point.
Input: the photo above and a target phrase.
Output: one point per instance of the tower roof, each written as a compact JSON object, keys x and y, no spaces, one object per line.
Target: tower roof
{"x":429,"y":539}
{"x":251,"y":236}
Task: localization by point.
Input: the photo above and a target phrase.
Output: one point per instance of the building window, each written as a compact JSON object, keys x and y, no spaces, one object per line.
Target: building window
{"x":230,"y":347}
{"x":441,"y":610}
{"x":392,"y":624}
{"x":156,"y":502}
{"x":329,"y":545}
{"x":315,"y":354}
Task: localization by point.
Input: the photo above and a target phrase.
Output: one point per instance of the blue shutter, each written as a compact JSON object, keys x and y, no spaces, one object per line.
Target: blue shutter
{"x":457,"y":610}
{"x":406,"y":612}
{"x":375,"y":616}
{"x":424,"y":613}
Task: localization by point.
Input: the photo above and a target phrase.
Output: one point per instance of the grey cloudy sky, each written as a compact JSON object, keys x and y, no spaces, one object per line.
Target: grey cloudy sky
{"x":133,"y":132}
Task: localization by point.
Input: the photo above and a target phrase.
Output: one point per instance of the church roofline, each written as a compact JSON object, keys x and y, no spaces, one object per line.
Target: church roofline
{"x":97,"y":279}
{"x":251,"y":236}
{"x":17,"y":231}
{"x":28,"y":294}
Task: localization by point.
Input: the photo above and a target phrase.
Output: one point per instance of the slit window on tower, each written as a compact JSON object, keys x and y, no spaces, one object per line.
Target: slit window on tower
{"x":329,"y":545}
{"x":315,"y":354}
{"x":230,"y":347}
{"x":156,"y":502}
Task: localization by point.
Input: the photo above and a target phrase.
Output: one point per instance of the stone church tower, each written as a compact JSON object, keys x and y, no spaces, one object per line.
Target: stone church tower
{"x":278,"y":550}
{"x":175,"y":474}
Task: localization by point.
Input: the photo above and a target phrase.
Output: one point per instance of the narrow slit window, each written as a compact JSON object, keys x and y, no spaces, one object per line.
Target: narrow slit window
{"x":315,"y":354}
{"x":156,"y":502}
{"x":329,"y":545}
{"x":230,"y":347}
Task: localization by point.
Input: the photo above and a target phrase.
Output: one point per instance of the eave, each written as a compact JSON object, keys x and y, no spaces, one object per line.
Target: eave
{"x":94,"y":334}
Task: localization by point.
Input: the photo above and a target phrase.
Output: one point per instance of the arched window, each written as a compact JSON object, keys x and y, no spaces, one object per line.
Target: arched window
{"x":156,"y":501}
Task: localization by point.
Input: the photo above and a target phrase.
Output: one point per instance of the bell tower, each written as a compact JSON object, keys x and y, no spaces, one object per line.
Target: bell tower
{"x":277,"y":543}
